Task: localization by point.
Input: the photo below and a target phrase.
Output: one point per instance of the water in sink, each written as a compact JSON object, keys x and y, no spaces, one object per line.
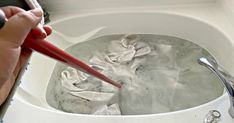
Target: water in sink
{"x":159,"y":73}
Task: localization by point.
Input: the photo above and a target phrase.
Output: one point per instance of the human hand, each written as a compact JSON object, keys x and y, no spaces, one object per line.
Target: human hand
{"x":12,"y":35}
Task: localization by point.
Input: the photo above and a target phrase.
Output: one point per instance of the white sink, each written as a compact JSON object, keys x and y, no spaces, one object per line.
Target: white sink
{"x":30,"y":101}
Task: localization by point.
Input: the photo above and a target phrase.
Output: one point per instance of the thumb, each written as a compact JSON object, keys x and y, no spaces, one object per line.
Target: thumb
{"x":18,"y":26}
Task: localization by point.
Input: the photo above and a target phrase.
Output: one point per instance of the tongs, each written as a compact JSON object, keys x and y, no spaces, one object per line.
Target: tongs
{"x":48,"y":49}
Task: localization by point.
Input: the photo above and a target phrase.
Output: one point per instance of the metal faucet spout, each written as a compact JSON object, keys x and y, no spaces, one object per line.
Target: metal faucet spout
{"x":226,"y":79}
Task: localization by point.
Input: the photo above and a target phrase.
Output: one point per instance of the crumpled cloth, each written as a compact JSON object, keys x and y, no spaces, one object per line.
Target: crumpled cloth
{"x":126,"y":49}
{"x":108,"y":110}
{"x":121,"y":52}
{"x":71,"y":78}
{"x":81,"y":98}
{"x":119,"y":63}
{"x":93,"y":96}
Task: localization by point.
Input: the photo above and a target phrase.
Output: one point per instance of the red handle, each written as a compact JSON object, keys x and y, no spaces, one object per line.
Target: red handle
{"x":48,"y":49}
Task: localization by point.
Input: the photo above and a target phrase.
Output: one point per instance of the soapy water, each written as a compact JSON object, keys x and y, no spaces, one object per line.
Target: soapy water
{"x":159,"y":74}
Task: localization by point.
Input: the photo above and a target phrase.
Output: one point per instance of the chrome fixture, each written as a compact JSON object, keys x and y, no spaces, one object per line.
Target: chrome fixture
{"x":224,"y":77}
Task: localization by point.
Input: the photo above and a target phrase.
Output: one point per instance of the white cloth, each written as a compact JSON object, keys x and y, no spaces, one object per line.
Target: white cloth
{"x":71,"y":78}
{"x":108,"y":110}
{"x":119,"y":63}
{"x":94,"y":96}
{"x":115,"y":62}
{"x":127,"y":48}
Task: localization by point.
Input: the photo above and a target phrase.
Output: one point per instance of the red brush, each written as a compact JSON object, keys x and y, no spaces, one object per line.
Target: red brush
{"x":48,"y":49}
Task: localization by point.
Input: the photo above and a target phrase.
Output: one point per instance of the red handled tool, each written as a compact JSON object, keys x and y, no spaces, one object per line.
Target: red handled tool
{"x":48,"y":49}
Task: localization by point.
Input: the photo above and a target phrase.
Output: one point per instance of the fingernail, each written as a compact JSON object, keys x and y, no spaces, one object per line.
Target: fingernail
{"x":37,"y":12}
{"x":42,"y":29}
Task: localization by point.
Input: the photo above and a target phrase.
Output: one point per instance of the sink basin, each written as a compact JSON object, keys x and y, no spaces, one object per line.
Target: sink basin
{"x":31,"y":95}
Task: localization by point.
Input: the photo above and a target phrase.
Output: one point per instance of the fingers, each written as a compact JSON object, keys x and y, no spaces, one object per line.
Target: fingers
{"x":19,"y":25}
{"x":11,"y":10}
{"x":48,"y":29}
{"x":42,"y":33}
